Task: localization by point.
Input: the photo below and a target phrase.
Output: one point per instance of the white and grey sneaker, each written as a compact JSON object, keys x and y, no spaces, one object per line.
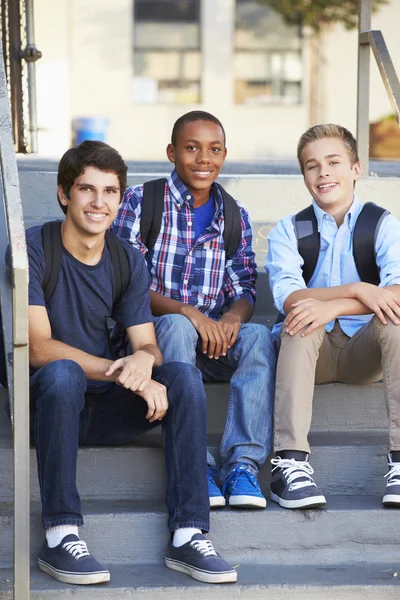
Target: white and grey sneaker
{"x":71,"y":562}
{"x":392,"y":492}
{"x":198,"y":559}
{"x":292,"y":485}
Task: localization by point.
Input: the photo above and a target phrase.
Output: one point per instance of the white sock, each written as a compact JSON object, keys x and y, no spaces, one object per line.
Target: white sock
{"x":55,"y":535}
{"x":184,"y":535}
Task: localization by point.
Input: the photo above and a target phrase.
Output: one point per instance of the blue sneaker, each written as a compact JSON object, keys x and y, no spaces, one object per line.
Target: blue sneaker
{"x":216,"y":498}
{"x":71,"y":562}
{"x":242,"y":489}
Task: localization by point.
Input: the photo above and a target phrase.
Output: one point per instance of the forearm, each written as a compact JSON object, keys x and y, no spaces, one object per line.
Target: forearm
{"x":45,"y":351}
{"x":339,"y":292}
{"x":349,"y":307}
{"x":161,"y":305}
{"x":154,"y":351}
{"x":243,"y":309}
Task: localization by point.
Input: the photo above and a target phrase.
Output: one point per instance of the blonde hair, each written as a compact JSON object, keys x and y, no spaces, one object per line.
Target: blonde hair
{"x":318,"y":132}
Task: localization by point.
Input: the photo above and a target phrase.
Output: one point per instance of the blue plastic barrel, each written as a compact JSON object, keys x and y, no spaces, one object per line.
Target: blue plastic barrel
{"x":90,"y":128}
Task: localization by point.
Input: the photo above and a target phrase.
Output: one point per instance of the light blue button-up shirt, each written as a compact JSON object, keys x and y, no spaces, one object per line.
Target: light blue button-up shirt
{"x":336,"y":265}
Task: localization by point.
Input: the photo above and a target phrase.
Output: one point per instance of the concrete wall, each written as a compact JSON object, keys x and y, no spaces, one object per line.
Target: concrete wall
{"x":87,"y":70}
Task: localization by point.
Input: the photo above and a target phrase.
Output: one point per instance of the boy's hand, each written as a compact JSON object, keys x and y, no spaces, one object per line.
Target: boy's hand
{"x":155,"y":394}
{"x":231,"y":325}
{"x":135,"y":370}
{"x":309,"y":314}
{"x":213,"y":337}
{"x":382,"y":301}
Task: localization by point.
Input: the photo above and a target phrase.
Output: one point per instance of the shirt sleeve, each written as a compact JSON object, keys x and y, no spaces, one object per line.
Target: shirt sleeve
{"x":36,"y":266}
{"x":133,"y":308}
{"x":387,"y":248}
{"x":241,"y":270}
{"x":284,"y":263}
{"x":127,"y":223}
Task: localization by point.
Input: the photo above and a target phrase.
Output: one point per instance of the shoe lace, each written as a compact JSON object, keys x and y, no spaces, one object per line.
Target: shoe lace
{"x":394,"y":473}
{"x":294,"y":469}
{"x":77,"y":548}
{"x":205,"y":547}
{"x":240,"y":471}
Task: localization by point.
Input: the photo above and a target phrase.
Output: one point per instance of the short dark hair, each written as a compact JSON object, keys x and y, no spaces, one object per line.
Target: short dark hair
{"x":318,"y":132}
{"x":90,"y":153}
{"x":194,"y":115}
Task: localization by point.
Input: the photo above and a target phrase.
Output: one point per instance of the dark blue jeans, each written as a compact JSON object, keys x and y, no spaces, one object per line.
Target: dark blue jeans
{"x":64,"y":415}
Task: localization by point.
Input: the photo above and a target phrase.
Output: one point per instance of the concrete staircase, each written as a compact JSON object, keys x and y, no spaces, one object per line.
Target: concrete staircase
{"x":350,"y":550}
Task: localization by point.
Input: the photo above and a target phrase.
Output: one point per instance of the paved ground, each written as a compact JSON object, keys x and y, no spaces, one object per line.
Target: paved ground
{"x":268,"y":167}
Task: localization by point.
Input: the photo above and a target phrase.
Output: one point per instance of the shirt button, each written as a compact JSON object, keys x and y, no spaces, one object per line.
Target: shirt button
{"x":190,"y":223}
{"x":188,"y":197}
{"x":185,"y":281}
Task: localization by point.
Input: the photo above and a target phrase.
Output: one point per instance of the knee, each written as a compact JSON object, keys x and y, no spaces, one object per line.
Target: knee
{"x":389,"y":332}
{"x":183,"y":382}
{"x":257,"y":337}
{"x":177,"y":326}
{"x":62,"y":382}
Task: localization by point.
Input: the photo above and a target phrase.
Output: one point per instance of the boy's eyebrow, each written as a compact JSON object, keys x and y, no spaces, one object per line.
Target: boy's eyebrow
{"x":327,"y":156}
{"x":90,"y":185}
{"x":197,"y":142}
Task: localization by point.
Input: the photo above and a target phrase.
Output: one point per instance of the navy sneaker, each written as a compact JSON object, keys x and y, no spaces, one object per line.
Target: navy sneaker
{"x":242,"y":489}
{"x":216,"y":498}
{"x":71,"y":562}
{"x":292,"y":485}
{"x":198,"y":559}
{"x":392,"y":492}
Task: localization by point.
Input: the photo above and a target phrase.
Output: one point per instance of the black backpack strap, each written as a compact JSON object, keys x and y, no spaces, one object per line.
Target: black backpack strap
{"x":364,"y":238}
{"x":52,"y":248}
{"x":120,"y":263}
{"x":152,"y":211}
{"x":232,"y":223}
{"x":308,"y":240}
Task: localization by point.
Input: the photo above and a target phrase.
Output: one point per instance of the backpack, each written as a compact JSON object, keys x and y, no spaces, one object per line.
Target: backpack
{"x":364,"y":235}
{"x":153,"y":208}
{"x":52,"y":247}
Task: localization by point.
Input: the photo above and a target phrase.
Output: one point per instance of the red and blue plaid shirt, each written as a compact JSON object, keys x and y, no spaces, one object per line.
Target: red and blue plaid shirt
{"x":190,"y":270}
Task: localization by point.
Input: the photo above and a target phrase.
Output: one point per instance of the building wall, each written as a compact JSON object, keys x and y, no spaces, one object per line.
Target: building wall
{"x":87,"y":70}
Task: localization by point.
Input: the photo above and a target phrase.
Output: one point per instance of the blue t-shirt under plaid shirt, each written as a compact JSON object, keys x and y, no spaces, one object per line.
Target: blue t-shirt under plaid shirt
{"x":190,"y":270}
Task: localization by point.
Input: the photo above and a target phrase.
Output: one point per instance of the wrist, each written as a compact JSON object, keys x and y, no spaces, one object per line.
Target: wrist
{"x":187,"y":310}
{"x":150,"y":351}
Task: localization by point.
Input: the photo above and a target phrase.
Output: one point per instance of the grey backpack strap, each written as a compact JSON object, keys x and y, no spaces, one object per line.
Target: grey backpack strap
{"x":152,"y":211}
{"x":308,"y":240}
{"x":232,"y":223}
{"x":52,"y":248}
{"x":120,"y":263}
{"x":364,"y":236}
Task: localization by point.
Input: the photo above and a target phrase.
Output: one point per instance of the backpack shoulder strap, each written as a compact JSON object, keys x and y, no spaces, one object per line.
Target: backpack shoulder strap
{"x":232,"y":223}
{"x":52,"y":248}
{"x":120,"y":263}
{"x":364,"y":237}
{"x":152,"y":211}
{"x":308,"y":240}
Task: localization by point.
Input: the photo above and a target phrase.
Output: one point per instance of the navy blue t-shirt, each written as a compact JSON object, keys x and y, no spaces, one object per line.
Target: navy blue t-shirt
{"x":83,"y":298}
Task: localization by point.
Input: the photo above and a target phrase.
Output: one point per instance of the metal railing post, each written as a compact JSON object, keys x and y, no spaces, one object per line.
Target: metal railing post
{"x":20,"y":381}
{"x":364,"y":24}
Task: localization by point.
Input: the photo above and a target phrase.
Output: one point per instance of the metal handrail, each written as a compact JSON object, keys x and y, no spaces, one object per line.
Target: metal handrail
{"x":19,"y":380}
{"x":372,"y":39}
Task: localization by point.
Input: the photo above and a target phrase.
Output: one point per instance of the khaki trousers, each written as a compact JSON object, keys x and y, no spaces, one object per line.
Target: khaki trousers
{"x":322,"y":357}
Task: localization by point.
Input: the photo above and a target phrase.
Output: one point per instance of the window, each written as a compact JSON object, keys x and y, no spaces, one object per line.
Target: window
{"x":167,"y":56}
{"x":268,"y":62}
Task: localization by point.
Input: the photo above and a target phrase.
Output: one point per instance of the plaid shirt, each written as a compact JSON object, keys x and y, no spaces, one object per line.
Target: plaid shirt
{"x":190,"y":270}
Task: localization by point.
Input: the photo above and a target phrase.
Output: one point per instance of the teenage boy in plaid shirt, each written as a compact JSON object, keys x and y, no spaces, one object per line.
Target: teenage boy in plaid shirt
{"x":202,"y":302}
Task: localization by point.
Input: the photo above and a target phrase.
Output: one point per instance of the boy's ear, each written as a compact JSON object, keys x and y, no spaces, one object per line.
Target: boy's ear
{"x":61,"y":196}
{"x":171,"y":153}
{"x":357,"y":169}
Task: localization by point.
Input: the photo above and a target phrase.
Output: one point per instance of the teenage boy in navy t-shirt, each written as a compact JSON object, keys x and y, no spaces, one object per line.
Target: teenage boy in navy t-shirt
{"x":80,"y":395}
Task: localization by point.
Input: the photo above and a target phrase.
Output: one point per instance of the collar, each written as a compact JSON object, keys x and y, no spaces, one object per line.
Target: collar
{"x":181,"y":194}
{"x":350,"y":217}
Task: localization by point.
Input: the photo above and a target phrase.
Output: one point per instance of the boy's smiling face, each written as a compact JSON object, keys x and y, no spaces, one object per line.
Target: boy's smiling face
{"x":329,"y":175}
{"x":199,"y":154}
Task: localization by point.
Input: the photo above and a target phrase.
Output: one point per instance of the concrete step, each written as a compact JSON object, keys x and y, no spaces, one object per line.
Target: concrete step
{"x":255,"y":582}
{"x":337,"y":406}
{"x":344,"y":463}
{"x":351,"y":529}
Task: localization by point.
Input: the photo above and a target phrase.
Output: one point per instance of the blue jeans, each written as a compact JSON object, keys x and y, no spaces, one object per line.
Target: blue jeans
{"x":64,"y":415}
{"x":250,"y":367}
